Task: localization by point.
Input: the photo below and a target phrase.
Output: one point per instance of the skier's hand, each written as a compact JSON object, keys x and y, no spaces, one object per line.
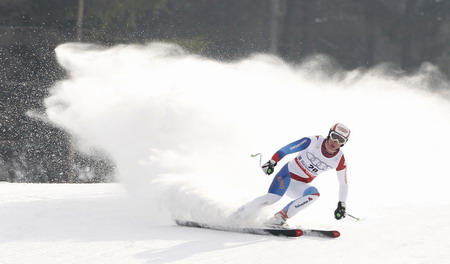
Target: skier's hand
{"x":339,"y":213}
{"x":269,"y":166}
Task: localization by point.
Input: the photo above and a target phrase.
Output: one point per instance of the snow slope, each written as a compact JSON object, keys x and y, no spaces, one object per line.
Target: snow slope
{"x":100,"y":223}
{"x":181,"y":129}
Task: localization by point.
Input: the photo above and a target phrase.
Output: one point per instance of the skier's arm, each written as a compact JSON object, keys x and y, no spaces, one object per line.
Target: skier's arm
{"x":293,"y":147}
{"x":341,"y":171}
{"x":343,"y":186}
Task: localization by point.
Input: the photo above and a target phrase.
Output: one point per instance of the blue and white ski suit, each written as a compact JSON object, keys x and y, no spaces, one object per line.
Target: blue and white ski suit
{"x":294,"y":177}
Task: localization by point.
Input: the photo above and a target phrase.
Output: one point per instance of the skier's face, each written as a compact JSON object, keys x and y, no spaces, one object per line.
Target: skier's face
{"x":332,"y":146}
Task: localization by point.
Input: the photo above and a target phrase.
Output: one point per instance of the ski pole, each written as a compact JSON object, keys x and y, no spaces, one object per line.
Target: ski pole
{"x":356,"y":218}
{"x":260,"y":157}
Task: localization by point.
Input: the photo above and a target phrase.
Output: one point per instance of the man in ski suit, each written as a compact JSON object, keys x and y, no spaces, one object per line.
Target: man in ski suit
{"x":316,"y":155}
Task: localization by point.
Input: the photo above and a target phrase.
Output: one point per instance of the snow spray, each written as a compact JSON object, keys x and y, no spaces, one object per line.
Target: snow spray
{"x":180,"y":127}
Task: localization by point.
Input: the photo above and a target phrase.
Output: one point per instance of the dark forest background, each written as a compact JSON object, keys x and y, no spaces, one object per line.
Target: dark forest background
{"x":355,"y":33}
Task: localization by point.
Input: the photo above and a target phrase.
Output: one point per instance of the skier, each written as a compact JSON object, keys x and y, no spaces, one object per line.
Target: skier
{"x":316,"y":155}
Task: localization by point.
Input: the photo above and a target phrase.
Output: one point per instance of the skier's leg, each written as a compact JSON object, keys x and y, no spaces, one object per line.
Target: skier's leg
{"x":281,"y":182}
{"x":277,"y":189}
{"x":308,"y":196}
{"x":259,"y":202}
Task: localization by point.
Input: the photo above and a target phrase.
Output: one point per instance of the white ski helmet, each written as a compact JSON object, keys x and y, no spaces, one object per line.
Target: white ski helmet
{"x":340,"y":133}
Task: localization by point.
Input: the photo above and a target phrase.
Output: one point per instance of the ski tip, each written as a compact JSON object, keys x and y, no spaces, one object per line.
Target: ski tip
{"x":336,"y":234}
{"x":298,"y":232}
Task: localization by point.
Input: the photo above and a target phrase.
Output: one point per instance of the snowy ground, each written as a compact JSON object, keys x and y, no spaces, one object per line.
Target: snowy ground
{"x":98,"y":223}
{"x":180,"y":129}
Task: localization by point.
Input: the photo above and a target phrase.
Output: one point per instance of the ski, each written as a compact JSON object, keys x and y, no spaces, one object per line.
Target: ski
{"x":287,"y":232}
{"x":321,"y":233}
{"x":248,"y":230}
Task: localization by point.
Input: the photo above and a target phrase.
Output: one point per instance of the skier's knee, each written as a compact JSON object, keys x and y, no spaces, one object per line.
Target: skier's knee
{"x":272,"y":198}
{"x":311,"y":191}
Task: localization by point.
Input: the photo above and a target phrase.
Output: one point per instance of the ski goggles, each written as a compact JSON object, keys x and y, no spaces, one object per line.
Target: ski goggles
{"x":338,"y":137}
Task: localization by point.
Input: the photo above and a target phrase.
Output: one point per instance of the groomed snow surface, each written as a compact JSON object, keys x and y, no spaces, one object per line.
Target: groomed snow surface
{"x":101,"y":223}
{"x":180,"y":129}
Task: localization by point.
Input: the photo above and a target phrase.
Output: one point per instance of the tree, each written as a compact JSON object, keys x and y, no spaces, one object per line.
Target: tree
{"x":80,"y":20}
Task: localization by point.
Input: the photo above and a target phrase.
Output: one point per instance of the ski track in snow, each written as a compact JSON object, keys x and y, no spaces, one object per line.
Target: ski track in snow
{"x":99,"y":223}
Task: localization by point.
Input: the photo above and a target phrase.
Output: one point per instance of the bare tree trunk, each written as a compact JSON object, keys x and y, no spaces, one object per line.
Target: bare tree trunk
{"x":306,"y":32}
{"x":6,"y":154}
{"x":80,"y":20}
{"x":274,"y":26}
{"x":71,"y":177}
{"x":295,"y":36}
{"x":407,"y":30}
{"x":370,"y":32}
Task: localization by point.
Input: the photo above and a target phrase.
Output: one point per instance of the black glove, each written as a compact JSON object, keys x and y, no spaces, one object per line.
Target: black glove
{"x":340,"y":211}
{"x":269,"y":166}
